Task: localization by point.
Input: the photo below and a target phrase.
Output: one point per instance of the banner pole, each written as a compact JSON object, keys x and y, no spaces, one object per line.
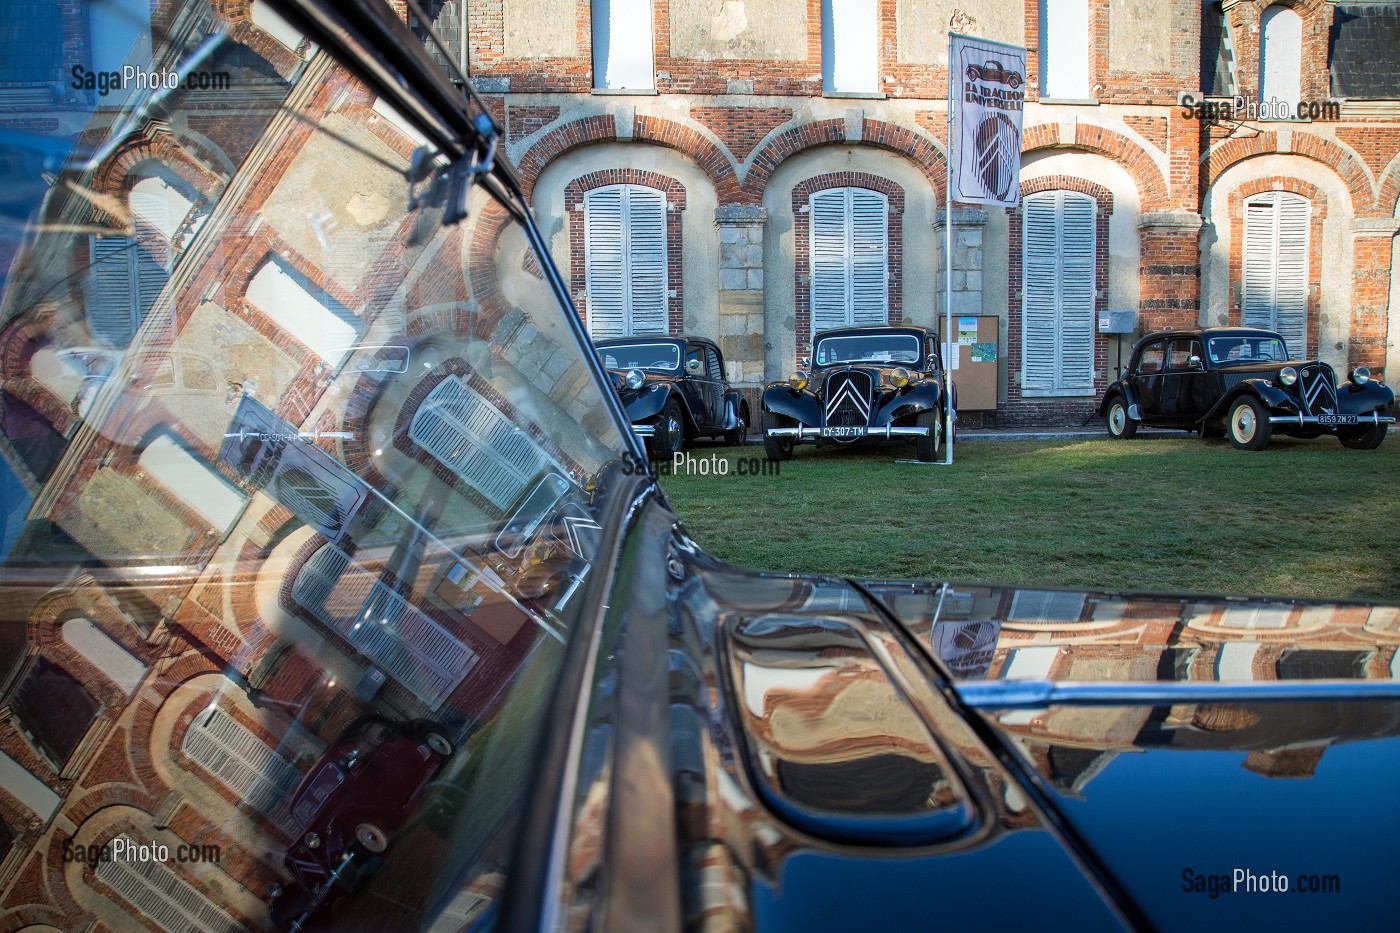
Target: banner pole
{"x":948,"y":348}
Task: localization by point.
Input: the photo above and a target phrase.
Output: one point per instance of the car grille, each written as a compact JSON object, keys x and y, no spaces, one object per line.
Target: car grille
{"x":1319,"y":387}
{"x":848,"y":398}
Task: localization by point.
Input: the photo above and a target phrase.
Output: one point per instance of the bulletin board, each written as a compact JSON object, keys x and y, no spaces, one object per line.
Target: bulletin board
{"x":975,"y":337}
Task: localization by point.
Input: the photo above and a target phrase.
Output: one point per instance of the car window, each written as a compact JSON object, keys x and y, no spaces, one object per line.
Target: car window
{"x":1153,"y":357}
{"x":716,"y":370}
{"x":1247,"y":349}
{"x":1180,"y":352}
{"x":661,"y":355}
{"x":300,"y":453}
{"x":871,"y":348}
{"x":694,"y":354}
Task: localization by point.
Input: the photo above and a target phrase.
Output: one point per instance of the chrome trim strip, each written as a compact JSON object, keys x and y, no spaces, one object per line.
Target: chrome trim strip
{"x":644,"y":430}
{"x":1034,"y":694}
{"x":887,"y":431}
{"x":1134,"y":412}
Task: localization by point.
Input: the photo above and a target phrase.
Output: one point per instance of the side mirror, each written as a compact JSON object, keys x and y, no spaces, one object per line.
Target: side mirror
{"x":1194,"y":362}
{"x":694,"y":367}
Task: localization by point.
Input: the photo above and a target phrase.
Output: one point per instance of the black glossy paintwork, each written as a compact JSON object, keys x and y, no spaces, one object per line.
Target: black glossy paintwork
{"x":1198,"y":398}
{"x":709,"y":405}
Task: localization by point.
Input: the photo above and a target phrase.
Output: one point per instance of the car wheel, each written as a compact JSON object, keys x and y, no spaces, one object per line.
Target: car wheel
{"x":1248,"y":425}
{"x":1014,"y":81}
{"x":778,"y":448}
{"x":670,"y":431}
{"x":432,"y":735}
{"x":926,"y":445}
{"x":1121,"y":425}
{"x":1364,"y":438}
{"x":740,"y":433}
{"x":371,"y":837}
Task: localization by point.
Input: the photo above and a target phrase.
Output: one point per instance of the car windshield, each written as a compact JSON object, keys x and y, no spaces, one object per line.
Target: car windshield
{"x":1247,"y":349}
{"x":867,"y":348}
{"x":662,"y":356}
{"x":279,"y":451}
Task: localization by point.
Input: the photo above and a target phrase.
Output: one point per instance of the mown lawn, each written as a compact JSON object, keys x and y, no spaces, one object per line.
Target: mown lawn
{"x":1301,"y":518}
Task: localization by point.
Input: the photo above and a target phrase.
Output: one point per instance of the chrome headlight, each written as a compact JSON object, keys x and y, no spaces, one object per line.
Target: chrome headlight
{"x":635,"y":379}
{"x":1288,"y":375}
{"x":899,"y":378}
{"x":798,"y":380}
{"x":1360,"y":375}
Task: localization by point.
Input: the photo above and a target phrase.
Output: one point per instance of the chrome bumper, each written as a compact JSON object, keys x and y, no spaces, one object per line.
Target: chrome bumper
{"x":644,"y":430}
{"x":1301,"y":420}
{"x":803,"y":432}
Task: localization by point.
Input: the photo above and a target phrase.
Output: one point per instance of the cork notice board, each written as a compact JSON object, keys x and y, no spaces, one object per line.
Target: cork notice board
{"x":975,"y":368}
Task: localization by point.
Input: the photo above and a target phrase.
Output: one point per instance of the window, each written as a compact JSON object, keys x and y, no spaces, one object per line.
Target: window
{"x":622,"y":45}
{"x":850,"y":46}
{"x":161,"y":895}
{"x":1152,"y":357}
{"x":121,"y":35}
{"x":1280,"y":56}
{"x":104,"y":653}
{"x":1276,"y":267}
{"x":850,"y":258}
{"x":1064,"y":49}
{"x":1217,"y":53}
{"x":625,"y":260}
{"x":123,"y":284}
{"x":1179,"y":357}
{"x":1046,"y":606}
{"x":712,"y":358}
{"x":243,"y":763}
{"x":282,"y":294}
{"x":1057,"y":304}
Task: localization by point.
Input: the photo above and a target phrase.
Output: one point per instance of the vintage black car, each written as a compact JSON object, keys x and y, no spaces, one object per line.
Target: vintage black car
{"x":995,"y":72}
{"x":865,"y":384}
{"x":675,"y":390}
{"x":1242,"y":383}
{"x":390,"y":511}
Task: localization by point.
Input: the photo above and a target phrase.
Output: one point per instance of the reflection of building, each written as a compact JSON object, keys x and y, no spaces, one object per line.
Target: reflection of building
{"x":744,"y":160}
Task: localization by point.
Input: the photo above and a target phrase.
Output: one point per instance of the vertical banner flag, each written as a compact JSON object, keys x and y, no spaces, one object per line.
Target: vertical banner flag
{"x":990,"y":82}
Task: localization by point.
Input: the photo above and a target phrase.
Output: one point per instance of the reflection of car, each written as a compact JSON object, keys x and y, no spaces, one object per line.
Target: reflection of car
{"x":865,"y":383}
{"x":349,"y":806}
{"x":995,"y":73}
{"x":675,"y":390}
{"x":1243,"y":383}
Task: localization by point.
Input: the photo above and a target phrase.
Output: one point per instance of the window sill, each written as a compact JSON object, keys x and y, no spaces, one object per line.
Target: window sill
{"x":855,"y":95}
{"x":624,"y":92}
{"x":1059,"y":393}
{"x":1068,"y":101}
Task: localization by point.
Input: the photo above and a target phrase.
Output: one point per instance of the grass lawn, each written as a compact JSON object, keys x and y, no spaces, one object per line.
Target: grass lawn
{"x":1301,"y":518}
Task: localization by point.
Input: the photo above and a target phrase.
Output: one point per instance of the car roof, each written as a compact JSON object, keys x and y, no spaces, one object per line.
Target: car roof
{"x":1211,"y":332}
{"x":870,"y":330}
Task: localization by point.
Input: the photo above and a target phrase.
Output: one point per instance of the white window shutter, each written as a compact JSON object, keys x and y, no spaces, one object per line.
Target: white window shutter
{"x":1059,"y":279}
{"x":625,"y":261}
{"x":1276,"y":230}
{"x":849,"y":258}
{"x":243,"y":762}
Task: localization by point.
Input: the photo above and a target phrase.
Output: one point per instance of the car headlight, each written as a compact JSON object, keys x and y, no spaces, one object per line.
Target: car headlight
{"x":635,"y":379}
{"x":1288,"y":375}
{"x":899,"y":378}
{"x":798,"y":380}
{"x":1360,"y":375}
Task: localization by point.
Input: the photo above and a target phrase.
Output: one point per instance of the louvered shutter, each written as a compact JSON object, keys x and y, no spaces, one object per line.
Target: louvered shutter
{"x":111,"y":298}
{"x":849,"y":258}
{"x":1276,"y":267}
{"x":159,"y":894}
{"x":242,"y":762}
{"x":1058,"y":285}
{"x":625,"y":261}
{"x":1046,"y":606}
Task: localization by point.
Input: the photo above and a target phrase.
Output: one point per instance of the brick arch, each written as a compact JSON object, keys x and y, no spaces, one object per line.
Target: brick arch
{"x":922,"y":151}
{"x":1065,"y":409}
{"x":1352,"y":172}
{"x":802,"y":246}
{"x":120,"y":172}
{"x":1235,"y":199}
{"x":1099,"y":140}
{"x":675,"y":195}
{"x":709,"y":157}
{"x":1388,"y":200}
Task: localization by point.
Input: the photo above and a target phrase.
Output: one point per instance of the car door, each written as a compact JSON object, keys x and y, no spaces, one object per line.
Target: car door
{"x":1146,"y":379}
{"x":694,"y":378}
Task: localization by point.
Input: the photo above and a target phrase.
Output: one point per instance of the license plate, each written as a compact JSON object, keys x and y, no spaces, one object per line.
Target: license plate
{"x":1331,"y":420}
{"x":842,"y":432}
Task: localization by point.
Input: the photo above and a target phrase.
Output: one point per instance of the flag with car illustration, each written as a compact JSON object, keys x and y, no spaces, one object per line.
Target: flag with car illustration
{"x":989,"y":82}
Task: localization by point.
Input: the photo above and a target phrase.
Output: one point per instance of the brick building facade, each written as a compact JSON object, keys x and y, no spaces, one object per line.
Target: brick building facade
{"x":744,"y":107}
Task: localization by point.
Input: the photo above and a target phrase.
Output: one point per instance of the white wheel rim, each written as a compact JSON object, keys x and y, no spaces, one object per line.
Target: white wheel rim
{"x":439,"y":744}
{"x":1244,"y":424}
{"x":372,"y":837}
{"x":1116,"y":418}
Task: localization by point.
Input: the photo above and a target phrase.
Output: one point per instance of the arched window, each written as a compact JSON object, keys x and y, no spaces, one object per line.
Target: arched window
{"x":1059,"y":245}
{"x":1280,"y":56}
{"x":625,"y":260}
{"x":849,"y":258}
{"x":1276,"y":229}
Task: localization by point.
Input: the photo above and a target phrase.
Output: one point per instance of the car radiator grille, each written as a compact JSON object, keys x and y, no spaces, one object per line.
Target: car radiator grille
{"x":848,"y":398}
{"x":1233,"y":379}
{"x":1319,"y":387}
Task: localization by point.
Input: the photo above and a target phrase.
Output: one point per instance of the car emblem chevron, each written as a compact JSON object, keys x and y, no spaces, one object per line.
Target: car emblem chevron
{"x":847,"y":393}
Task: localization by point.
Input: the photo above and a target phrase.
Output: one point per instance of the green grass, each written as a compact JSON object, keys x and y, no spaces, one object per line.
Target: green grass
{"x":1301,"y":518}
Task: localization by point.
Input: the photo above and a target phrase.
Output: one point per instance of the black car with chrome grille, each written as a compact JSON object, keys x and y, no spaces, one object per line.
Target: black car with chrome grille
{"x":864,"y":383}
{"x":1242,"y":383}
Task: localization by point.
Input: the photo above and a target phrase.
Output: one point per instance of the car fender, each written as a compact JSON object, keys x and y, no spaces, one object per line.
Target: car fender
{"x":733,"y":404}
{"x":1270,"y":395}
{"x":648,"y":402}
{"x":925,"y":396}
{"x":802,"y":405}
{"x":1363,"y":399}
{"x":1124,"y":388}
